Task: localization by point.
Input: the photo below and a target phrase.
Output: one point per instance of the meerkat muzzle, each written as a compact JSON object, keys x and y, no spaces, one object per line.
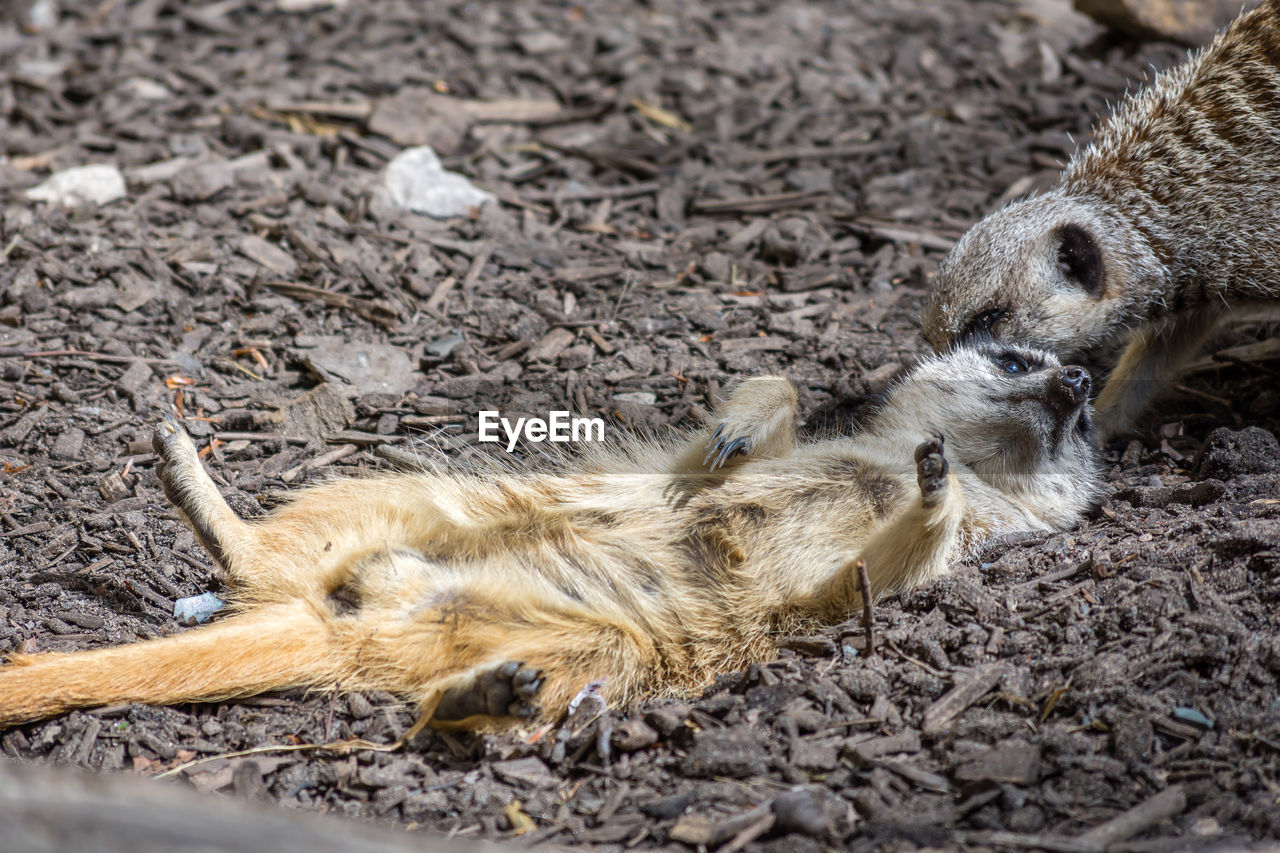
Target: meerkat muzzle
{"x":1071,"y":387}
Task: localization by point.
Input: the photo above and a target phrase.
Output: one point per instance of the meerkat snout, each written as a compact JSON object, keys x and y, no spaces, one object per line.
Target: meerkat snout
{"x":1071,"y":386}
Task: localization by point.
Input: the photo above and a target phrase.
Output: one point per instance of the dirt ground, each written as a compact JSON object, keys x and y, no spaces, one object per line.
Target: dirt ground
{"x":691,"y":192}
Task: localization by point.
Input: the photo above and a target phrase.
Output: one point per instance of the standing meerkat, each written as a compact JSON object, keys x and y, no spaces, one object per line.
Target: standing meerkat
{"x":1167,"y":222}
{"x":487,"y":597}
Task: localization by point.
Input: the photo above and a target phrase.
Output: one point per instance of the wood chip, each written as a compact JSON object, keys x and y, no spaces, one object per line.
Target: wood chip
{"x":1168,"y":803}
{"x":968,"y":690}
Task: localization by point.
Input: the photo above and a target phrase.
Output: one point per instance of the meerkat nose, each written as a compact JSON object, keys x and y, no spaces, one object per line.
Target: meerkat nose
{"x":1075,"y":383}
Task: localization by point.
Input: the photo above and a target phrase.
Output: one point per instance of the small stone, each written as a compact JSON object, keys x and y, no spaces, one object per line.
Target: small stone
{"x":443,"y":347}
{"x":632,"y":734}
{"x":542,"y":41}
{"x":550,"y":345}
{"x":419,"y":116}
{"x":369,"y":367}
{"x":321,"y":411}
{"x":1133,"y":738}
{"x":1227,"y":453}
{"x":525,"y":771}
{"x":414,"y":180}
{"x":1011,"y":762}
{"x":272,"y":257}
{"x":800,"y":810}
{"x":729,"y":752}
{"x":112,"y":487}
{"x":309,"y":5}
{"x":576,"y":358}
{"x":717,"y":266}
{"x":147,"y":90}
{"x":667,"y":719}
{"x":69,"y":444}
{"x":197,"y":608}
{"x":814,"y":756}
{"x":97,"y":184}
{"x":637,"y":398}
{"x":694,"y":830}
{"x":200,"y":183}
{"x":1191,"y":715}
{"x":864,"y":685}
{"x":359,"y":707}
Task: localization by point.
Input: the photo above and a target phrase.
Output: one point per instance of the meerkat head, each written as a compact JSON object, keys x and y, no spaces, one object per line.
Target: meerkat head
{"x":1054,"y":272}
{"x":1016,"y":417}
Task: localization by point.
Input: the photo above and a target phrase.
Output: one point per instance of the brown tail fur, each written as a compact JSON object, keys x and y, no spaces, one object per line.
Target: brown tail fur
{"x":277,"y":646}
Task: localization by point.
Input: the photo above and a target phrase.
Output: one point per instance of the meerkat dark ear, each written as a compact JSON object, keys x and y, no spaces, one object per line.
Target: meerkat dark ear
{"x":1079,"y":259}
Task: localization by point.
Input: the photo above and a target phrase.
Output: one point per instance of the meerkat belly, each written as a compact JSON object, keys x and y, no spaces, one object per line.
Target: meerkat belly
{"x":587,"y":547}
{"x":782,"y":527}
{"x":711,"y":568}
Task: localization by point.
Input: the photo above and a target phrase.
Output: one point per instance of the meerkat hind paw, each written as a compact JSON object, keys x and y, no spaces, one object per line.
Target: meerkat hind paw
{"x":171,"y":442}
{"x":178,"y":459}
{"x":506,"y":690}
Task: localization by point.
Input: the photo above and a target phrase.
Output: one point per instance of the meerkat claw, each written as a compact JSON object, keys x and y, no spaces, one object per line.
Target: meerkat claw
{"x":721,"y":448}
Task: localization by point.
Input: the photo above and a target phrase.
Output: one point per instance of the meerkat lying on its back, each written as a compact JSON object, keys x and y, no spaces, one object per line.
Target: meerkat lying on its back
{"x":652,"y":568}
{"x":1170,"y":219}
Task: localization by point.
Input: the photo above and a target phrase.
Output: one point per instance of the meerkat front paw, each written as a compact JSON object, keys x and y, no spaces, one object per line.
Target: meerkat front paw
{"x":722,"y":446}
{"x":506,"y":690}
{"x":931,"y":469}
{"x":758,"y":419}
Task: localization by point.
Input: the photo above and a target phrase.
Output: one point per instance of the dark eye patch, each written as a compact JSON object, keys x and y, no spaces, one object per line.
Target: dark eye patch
{"x":980,"y":327}
{"x":1012,"y":361}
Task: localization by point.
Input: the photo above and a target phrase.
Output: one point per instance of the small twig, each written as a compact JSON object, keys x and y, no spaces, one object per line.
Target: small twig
{"x":260,"y":436}
{"x":626,"y":288}
{"x":868,"y":608}
{"x":595,"y":193}
{"x":338,"y":746}
{"x":1168,"y":803}
{"x":753,"y":831}
{"x":895,"y":232}
{"x":759,"y":204}
{"x":351,"y":743}
{"x":1203,"y":395}
{"x":338,"y":453}
{"x":370,"y":309}
{"x":439,"y":295}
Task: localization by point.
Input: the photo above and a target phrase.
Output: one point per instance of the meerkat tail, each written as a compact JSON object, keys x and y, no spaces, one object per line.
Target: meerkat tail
{"x":278,"y":646}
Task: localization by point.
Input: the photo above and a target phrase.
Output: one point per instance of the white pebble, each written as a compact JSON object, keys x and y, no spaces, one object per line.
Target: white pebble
{"x":414,"y":180}
{"x":80,"y":185}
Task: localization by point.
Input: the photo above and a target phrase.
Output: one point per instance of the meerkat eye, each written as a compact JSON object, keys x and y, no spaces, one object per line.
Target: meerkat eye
{"x":1011,"y":362}
{"x":982,"y":325}
{"x":988,"y":319}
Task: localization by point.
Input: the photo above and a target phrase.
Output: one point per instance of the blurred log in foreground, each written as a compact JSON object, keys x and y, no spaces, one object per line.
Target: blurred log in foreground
{"x":57,"y":810}
{"x":1189,"y":22}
